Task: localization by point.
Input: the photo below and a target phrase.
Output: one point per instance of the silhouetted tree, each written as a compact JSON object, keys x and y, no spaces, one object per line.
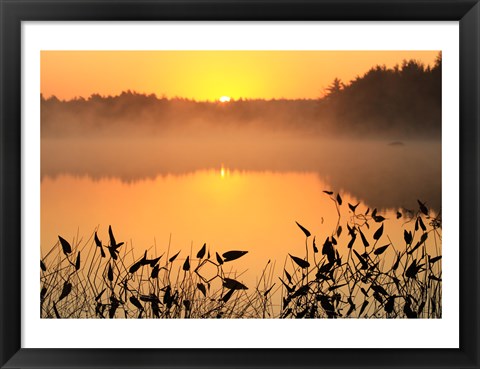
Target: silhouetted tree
{"x":334,"y":88}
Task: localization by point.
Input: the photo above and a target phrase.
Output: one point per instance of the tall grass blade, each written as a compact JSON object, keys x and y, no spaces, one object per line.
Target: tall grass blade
{"x":364,"y":240}
{"x":390,"y":304}
{"x":233,"y":255}
{"x":154,"y":262}
{"x":315,"y":250}
{"x":155,"y":271}
{"x":407,"y":236}
{"x":201,"y":252}
{"x":361,"y":259}
{"x":352,"y":241}
{"x":232,"y":284}
{"x":228,"y":295}
{"x":67,"y":288}
{"x":378,"y":233}
{"x":304,"y":230}
{"x":353,"y":207}
{"x":362,"y":308}
{"x":186,"y":264}
{"x":289,"y":277}
{"x":380,"y":250}
{"x":67,"y":249}
{"x":435,"y":259}
{"x":172,"y":259}
{"x":99,"y":296}
{"x":423,"y":208}
{"x":55,"y":310}
{"x":77,"y":262}
{"x":422,"y":225}
{"x":135,"y":302}
{"x":202,"y":289}
{"x":112,"y":237}
{"x":300,"y":262}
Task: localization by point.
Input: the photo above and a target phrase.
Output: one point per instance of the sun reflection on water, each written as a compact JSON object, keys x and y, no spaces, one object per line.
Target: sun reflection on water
{"x":224,"y":172}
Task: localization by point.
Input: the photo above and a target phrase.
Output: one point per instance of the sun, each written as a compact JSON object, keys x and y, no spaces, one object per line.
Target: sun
{"x":224,"y":99}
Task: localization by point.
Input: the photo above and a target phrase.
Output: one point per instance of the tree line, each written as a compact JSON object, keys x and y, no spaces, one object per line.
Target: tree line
{"x":397,"y":103}
{"x":384,"y":100}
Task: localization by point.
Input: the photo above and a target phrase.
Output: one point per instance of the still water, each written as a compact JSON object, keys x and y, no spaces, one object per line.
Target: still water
{"x":231,"y":197}
{"x":228,"y":210}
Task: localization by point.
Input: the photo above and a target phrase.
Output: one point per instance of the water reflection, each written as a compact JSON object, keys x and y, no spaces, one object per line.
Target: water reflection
{"x":226,"y":209}
{"x":234,"y":192}
{"x":378,"y":173}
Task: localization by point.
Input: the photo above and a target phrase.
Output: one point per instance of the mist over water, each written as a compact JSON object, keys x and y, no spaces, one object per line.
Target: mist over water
{"x":234,"y":190}
{"x":381,"y":173}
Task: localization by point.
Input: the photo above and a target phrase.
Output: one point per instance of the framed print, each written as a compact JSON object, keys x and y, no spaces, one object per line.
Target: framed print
{"x":239,"y":184}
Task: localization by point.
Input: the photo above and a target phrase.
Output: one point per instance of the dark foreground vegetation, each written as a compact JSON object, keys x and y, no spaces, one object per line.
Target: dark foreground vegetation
{"x":364,"y":276}
{"x":403,"y":102}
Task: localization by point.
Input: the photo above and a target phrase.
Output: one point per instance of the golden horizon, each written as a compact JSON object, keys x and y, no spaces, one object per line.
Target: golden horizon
{"x":210,"y":75}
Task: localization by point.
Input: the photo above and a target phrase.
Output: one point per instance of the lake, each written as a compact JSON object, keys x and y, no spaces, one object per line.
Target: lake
{"x":168,"y":195}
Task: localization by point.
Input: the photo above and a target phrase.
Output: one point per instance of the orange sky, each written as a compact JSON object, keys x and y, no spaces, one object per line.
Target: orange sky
{"x":208,"y":75}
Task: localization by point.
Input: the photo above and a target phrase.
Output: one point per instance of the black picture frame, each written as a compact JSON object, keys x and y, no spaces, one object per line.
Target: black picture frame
{"x":13,"y":12}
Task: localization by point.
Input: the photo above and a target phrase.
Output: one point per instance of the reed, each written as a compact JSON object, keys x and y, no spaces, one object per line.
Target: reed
{"x":374,"y":278}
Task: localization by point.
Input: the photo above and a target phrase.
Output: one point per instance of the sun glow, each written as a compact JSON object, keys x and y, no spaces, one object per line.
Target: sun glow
{"x":224,"y":99}
{"x":224,"y":172}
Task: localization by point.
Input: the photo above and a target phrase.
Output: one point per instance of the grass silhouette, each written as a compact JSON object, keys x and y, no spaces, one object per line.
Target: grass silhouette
{"x":375,"y":279}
